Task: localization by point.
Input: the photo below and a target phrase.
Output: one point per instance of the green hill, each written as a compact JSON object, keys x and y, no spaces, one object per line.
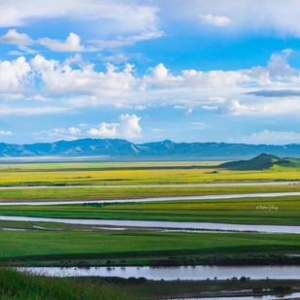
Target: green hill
{"x":260,"y":162}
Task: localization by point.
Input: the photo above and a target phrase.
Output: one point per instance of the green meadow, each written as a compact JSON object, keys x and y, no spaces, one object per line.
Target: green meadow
{"x":83,"y":247}
{"x":273,"y":210}
{"x":131,"y":192}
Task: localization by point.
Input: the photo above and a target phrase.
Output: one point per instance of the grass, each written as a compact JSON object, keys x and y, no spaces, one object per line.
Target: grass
{"x":17,"y":286}
{"x":32,"y":246}
{"x":124,"y":173}
{"x":274,"y":210}
{"x":127,"y":192}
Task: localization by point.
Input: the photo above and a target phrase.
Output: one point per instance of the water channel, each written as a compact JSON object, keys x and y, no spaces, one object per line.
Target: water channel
{"x":197,"y":226}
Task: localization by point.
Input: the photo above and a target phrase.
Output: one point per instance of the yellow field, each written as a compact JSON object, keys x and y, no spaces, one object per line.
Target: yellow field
{"x":129,"y":173}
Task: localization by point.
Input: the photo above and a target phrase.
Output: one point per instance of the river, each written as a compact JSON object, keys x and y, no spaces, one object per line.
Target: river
{"x":198,"y":226}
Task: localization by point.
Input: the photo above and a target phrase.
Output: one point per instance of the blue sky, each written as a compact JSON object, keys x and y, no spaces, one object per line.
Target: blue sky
{"x":197,"y":70}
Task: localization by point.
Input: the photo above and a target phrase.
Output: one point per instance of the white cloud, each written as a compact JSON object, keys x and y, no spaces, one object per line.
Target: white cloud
{"x":214,"y":20}
{"x":70,"y":133}
{"x":106,"y":130}
{"x":234,"y":107}
{"x":279,"y":17}
{"x":272,"y":137}
{"x":128,"y":127}
{"x":12,"y":36}
{"x":74,"y":131}
{"x":263,"y":90}
{"x":129,"y":21}
{"x":5,"y":133}
{"x":160,"y":72}
{"x":14,"y":75}
{"x":22,"y":40}
{"x":119,"y":42}
{"x":71,"y":44}
{"x":61,"y":79}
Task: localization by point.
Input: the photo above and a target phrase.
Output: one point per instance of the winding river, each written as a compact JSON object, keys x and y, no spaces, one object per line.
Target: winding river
{"x":197,"y":226}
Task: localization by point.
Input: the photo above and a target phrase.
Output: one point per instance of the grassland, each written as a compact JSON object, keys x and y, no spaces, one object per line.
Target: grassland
{"x":54,"y":244}
{"x":83,"y":247}
{"x":133,"y":192}
{"x":37,"y":243}
{"x":134,"y":173}
{"x":274,"y":210}
{"x":281,"y":210}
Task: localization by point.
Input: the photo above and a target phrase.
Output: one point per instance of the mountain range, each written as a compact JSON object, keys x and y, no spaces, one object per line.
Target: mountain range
{"x":122,"y":149}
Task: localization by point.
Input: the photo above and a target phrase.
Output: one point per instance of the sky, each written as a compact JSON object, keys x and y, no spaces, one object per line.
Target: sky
{"x":150,"y":70}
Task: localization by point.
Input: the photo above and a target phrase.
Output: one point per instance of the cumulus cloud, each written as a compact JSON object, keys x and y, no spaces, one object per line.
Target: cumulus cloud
{"x":22,"y":40}
{"x":12,"y":36}
{"x":74,"y":131}
{"x":214,"y":20}
{"x":14,"y":75}
{"x":261,"y":90}
{"x":107,"y":130}
{"x":71,"y":44}
{"x":61,"y":79}
{"x":128,"y":127}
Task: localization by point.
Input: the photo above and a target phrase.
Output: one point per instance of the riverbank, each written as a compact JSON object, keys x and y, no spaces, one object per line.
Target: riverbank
{"x":221,"y":289}
{"x":15,"y":286}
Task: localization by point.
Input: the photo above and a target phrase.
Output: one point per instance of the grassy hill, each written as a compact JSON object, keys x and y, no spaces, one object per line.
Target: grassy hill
{"x":261,"y":162}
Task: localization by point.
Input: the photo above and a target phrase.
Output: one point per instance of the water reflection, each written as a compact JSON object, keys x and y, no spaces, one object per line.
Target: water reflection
{"x":174,"y":273}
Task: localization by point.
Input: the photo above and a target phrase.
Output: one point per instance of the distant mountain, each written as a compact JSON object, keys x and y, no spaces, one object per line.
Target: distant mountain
{"x":122,"y":149}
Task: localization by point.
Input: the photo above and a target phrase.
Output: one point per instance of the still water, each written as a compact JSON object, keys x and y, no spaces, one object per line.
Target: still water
{"x":180,"y":273}
{"x":173,"y":273}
